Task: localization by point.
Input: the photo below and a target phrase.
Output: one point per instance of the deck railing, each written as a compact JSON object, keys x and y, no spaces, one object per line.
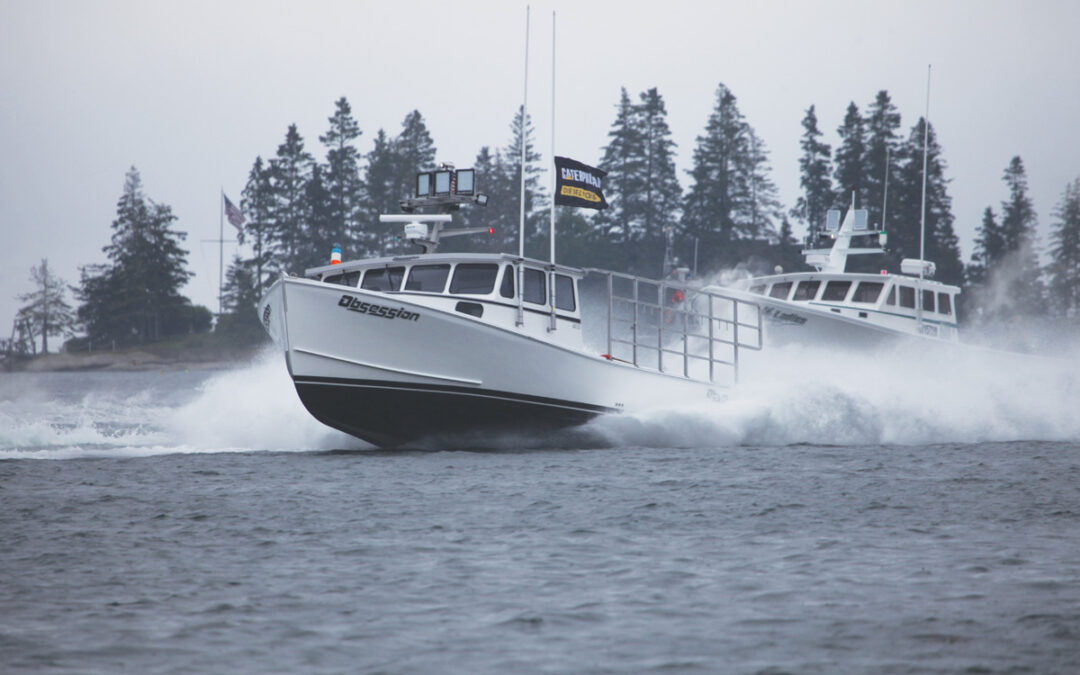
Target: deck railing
{"x":676,"y":328}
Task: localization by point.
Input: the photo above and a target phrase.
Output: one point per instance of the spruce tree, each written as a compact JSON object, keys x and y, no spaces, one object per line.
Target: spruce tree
{"x":380,"y":179}
{"x":341,"y":178}
{"x":501,"y":212}
{"x":623,"y":162}
{"x":881,"y":158}
{"x":319,"y":213}
{"x":815,"y":167}
{"x":720,"y":185}
{"x":257,"y":201}
{"x":941,"y":243}
{"x":661,"y":197}
{"x":1018,"y":228}
{"x":850,"y":172}
{"x":290,"y":170}
{"x":760,"y":210}
{"x":1064,"y":269}
{"x":989,"y":249}
{"x":521,"y":128}
{"x":136,"y":298}
{"x":47,"y":309}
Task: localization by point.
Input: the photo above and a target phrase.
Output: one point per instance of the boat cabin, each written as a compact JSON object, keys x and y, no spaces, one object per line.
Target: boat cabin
{"x":497,"y":288}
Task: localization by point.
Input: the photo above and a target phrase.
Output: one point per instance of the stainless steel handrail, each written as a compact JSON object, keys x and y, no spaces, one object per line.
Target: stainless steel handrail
{"x":701,"y":321}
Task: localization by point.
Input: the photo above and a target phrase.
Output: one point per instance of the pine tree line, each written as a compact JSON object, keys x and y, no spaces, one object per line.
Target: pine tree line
{"x":298,"y":206}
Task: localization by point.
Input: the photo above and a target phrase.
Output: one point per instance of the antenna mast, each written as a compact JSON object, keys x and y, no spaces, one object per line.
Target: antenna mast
{"x":523,"y":130}
{"x":926,"y":136}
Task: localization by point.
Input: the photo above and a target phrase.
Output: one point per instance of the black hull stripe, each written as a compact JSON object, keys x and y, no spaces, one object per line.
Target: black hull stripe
{"x":450,"y":389}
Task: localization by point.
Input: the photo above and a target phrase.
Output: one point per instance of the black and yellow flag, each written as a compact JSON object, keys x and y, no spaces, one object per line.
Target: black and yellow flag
{"x":579,"y":185}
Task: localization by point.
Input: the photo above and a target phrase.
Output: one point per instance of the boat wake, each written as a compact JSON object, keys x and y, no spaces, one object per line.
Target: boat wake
{"x":904,"y":395}
{"x":788,"y":396}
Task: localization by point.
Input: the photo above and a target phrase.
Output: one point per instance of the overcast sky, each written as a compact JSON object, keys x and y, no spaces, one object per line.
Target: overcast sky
{"x":191,"y":92}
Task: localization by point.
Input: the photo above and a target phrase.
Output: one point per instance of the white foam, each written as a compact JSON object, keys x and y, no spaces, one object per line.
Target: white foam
{"x":906,"y":395}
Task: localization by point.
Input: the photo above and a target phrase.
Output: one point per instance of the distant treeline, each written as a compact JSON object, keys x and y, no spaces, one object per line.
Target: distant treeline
{"x":298,"y":207}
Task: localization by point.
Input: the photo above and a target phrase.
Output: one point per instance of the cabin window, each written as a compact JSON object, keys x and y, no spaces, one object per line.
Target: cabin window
{"x":344,"y":279}
{"x":891,"y":300}
{"x":564,"y":293}
{"x":928,"y":301}
{"x":759,"y":289}
{"x":944,"y":304}
{"x":535,"y":286}
{"x":473,"y":278}
{"x":780,"y":290}
{"x":867,"y":291}
{"x":383,"y":279}
{"x":507,"y":288}
{"x":806,"y":290}
{"x":836,"y":290}
{"x":907,"y":297}
{"x":428,"y":278}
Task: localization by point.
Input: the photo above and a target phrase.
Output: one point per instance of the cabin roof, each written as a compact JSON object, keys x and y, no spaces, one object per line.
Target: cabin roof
{"x":437,"y":258}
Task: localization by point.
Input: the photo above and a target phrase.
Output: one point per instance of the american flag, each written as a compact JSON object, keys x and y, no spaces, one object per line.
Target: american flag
{"x":235,"y":215}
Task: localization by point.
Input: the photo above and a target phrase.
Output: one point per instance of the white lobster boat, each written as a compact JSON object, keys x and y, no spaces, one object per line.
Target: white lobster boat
{"x":395,"y":349}
{"x":832,"y":307}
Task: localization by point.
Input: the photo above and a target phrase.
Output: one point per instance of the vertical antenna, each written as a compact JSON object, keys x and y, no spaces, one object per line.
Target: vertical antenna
{"x":885,"y":197}
{"x":524,"y":129}
{"x":553,"y":181}
{"x":925,"y":137}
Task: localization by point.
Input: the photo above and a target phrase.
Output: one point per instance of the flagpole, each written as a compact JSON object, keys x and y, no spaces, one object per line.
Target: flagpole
{"x":524,"y":135}
{"x":553,"y":143}
{"x":221,"y":250}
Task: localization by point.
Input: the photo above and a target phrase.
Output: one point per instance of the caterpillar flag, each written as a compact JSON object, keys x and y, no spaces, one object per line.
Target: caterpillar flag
{"x":579,"y":184}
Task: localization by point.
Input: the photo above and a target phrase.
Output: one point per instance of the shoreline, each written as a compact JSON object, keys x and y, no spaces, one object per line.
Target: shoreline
{"x":134,"y":359}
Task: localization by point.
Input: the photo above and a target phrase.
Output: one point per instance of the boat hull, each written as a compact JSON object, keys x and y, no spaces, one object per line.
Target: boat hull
{"x":391,"y":381}
{"x":388,"y":413}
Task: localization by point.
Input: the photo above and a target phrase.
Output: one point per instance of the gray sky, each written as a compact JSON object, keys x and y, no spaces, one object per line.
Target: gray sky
{"x":191,"y":92}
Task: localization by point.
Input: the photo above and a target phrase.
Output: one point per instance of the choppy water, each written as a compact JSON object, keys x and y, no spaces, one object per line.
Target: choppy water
{"x":922,"y":519}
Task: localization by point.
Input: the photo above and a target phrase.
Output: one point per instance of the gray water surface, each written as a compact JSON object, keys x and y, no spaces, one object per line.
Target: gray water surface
{"x":946,"y":558}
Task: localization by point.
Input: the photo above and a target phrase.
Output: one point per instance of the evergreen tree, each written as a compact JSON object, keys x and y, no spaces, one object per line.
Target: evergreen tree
{"x":815,"y":165}
{"x":662,"y":194}
{"x":881,"y":156}
{"x":1018,"y":223}
{"x":322,"y":232}
{"x":381,"y":180}
{"x":341,"y":178}
{"x":761,"y":208}
{"x":501,"y":213}
{"x":240,"y":322}
{"x":850,"y":172}
{"x":623,"y":162}
{"x":257,"y":202}
{"x":989,"y":249}
{"x":1005,"y":263}
{"x":721,"y":186}
{"x":521,"y":130}
{"x":136,"y":298}
{"x":289,"y":174}
{"x":47,"y":310}
{"x":1064,"y":269}
{"x":941,"y":243}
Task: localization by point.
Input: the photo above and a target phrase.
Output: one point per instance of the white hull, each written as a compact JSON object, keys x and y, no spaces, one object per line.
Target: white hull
{"x":432,"y":370}
{"x":785,"y":323}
